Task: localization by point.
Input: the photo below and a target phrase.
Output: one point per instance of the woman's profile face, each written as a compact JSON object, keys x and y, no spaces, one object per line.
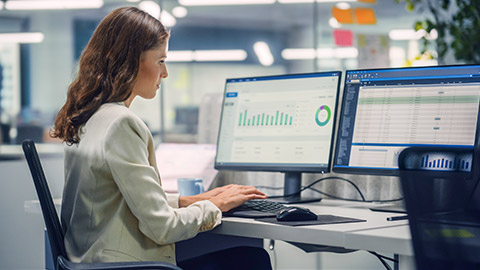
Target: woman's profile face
{"x":151,"y":70}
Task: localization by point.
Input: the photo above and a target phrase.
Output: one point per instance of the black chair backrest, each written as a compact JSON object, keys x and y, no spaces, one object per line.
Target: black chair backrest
{"x":54,"y":229}
{"x":437,"y":185}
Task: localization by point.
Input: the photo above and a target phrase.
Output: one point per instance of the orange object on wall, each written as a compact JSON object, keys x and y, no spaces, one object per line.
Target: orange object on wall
{"x":368,"y":1}
{"x":365,"y":16}
{"x":343,"y":16}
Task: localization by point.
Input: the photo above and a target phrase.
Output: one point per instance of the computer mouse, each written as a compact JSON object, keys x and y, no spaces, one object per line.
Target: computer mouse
{"x":296,"y":214}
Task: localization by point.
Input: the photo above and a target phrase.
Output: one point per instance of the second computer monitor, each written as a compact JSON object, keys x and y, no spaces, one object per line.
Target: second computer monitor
{"x":387,"y":110}
{"x":279,"y":123}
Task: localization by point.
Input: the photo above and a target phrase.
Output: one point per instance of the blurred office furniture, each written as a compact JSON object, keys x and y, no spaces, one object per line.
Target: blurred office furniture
{"x":186,"y":119}
{"x":54,"y":230}
{"x":209,"y":117}
{"x":438,"y":184}
{"x":4,"y":133}
{"x":30,"y":131}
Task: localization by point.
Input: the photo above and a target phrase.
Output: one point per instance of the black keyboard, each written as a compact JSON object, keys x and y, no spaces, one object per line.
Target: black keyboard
{"x":265,"y":206}
{"x":257,"y":209}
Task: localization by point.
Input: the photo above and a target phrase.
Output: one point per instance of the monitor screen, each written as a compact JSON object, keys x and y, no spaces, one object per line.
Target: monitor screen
{"x":387,"y":110}
{"x":278,"y":123}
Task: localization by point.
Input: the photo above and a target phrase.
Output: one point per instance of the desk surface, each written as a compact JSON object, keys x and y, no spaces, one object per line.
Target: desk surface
{"x":376,"y":233}
{"x":15,"y":152}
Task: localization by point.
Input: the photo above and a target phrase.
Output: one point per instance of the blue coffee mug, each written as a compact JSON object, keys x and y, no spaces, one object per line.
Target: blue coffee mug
{"x":190,"y":186}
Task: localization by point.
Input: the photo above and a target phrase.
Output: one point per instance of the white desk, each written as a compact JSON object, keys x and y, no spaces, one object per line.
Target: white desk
{"x":329,"y":234}
{"x":376,"y":234}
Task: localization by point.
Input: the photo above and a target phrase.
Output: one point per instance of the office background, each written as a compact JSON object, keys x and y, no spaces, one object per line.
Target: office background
{"x":295,"y":37}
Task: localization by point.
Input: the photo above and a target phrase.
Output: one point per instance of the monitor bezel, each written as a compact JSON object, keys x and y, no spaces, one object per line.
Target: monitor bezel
{"x":283,"y":168}
{"x":393,"y":172}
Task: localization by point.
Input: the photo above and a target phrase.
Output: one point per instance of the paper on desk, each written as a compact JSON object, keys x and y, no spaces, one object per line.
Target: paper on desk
{"x":175,"y":160}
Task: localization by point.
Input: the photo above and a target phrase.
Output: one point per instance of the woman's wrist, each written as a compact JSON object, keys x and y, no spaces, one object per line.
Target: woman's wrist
{"x":184,"y":201}
{"x":218,"y":203}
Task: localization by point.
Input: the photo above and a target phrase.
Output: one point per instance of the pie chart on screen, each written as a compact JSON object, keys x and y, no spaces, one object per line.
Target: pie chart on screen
{"x":323,"y":115}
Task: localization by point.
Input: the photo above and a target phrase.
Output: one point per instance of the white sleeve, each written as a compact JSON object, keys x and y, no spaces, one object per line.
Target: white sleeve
{"x":172,"y":199}
{"x":126,"y":154}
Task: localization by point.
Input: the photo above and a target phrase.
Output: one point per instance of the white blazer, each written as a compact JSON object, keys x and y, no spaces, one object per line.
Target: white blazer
{"x":114,"y":207}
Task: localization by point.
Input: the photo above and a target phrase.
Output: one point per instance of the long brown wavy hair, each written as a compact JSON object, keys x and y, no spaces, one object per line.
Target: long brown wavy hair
{"x":108,"y":67}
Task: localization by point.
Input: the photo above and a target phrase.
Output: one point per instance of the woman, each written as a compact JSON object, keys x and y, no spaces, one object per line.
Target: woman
{"x":114,"y":207}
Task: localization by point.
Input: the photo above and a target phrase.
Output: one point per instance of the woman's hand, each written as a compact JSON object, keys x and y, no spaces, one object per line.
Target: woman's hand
{"x":235,"y":195}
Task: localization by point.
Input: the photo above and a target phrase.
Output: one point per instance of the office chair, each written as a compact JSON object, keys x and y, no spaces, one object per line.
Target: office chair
{"x":438,"y":184}
{"x":54,"y":229}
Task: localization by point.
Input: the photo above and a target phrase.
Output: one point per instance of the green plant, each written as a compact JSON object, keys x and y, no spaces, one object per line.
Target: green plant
{"x":457,"y":23}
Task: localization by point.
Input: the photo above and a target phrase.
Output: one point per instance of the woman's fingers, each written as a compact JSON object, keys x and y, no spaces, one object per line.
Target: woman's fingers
{"x":235,"y":195}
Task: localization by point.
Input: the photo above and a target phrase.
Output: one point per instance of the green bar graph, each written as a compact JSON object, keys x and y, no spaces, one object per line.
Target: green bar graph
{"x":264,"y":119}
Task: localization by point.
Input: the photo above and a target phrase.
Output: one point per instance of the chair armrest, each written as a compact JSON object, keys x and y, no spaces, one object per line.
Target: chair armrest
{"x":67,"y":265}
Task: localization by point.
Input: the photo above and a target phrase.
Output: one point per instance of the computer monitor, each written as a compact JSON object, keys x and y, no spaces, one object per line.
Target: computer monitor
{"x":279,"y":123}
{"x":387,"y":110}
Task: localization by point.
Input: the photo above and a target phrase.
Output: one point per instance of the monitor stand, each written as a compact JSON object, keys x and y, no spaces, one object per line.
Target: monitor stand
{"x":293,"y":185}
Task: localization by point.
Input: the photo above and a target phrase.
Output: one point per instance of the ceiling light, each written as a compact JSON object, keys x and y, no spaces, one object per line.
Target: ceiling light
{"x":133,"y":1}
{"x":220,"y":55}
{"x":325,"y":53}
{"x":321,"y":53}
{"x":151,"y":8}
{"x":224,"y":2}
{"x":347,"y":52}
{"x":298,"y":54}
{"x":1,"y":5}
{"x":21,"y":37}
{"x":180,"y":56}
{"x":330,"y":1}
{"x":262,"y":50}
{"x":433,"y":34}
{"x":295,"y":1}
{"x":167,"y":19}
{"x":334,"y":23}
{"x":206,"y":55}
{"x":311,"y":1}
{"x":52,"y":4}
{"x":405,"y":34}
{"x":343,"y":5}
{"x":179,"y":12}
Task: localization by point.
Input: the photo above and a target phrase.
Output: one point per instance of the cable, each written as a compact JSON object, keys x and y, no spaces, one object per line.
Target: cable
{"x":354,"y":200}
{"x":384,"y":257}
{"x":335,"y":197}
{"x":329,"y":195}
{"x":381,"y":258}
{"x":318,"y":181}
